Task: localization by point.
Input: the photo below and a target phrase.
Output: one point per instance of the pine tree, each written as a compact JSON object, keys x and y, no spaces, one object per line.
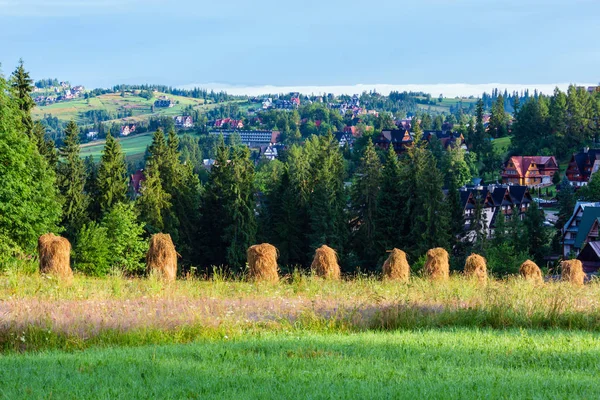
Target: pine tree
{"x":327,"y":200}
{"x":71,"y":183}
{"x":112,"y":175}
{"x":91,"y":188}
{"x":29,"y":203}
{"x":45,"y":146}
{"x":22,"y":86}
{"x":390,"y":202}
{"x":364,"y":195}
{"x":535,"y":233}
{"x":154,"y":201}
{"x":498,"y":120}
{"x":228,"y":219}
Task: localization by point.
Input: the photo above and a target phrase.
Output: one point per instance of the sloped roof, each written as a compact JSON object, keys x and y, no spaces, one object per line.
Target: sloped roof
{"x":590,"y":214}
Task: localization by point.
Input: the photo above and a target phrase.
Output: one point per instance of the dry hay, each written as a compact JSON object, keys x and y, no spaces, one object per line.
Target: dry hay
{"x":572,"y":271}
{"x":325,"y":263}
{"x":396,"y":266}
{"x":262,"y":262}
{"x":55,"y":256}
{"x":162,"y":257}
{"x":476,"y":267}
{"x":531,"y":272}
{"x":437,"y":266}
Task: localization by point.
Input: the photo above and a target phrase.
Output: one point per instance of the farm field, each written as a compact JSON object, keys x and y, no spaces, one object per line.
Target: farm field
{"x":432,"y":364}
{"x":140,"y":107}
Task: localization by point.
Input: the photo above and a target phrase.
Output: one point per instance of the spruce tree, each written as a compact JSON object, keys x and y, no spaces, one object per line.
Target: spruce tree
{"x":364,"y":194}
{"x":390,"y":225}
{"x":112,"y":175}
{"x":154,"y":201}
{"x":91,"y":188}
{"x":29,"y":205}
{"x":22,"y":86}
{"x":327,"y":203}
{"x":71,"y":183}
{"x":535,"y":233}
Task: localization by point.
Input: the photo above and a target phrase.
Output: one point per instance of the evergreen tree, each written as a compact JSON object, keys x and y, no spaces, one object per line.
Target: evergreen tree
{"x":91,"y":188}
{"x":112,"y":175}
{"x":29,"y":205}
{"x":498,"y":120}
{"x":390,"y":229}
{"x":22,"y":86}
{"x":154,"y":201}
{"x":327,"y":200}
{"x":364,"y":196}
{"x":228,"y":219}
{"x":45,"y":146}
{"x":535,"y":233}
{"x":71,"y":183}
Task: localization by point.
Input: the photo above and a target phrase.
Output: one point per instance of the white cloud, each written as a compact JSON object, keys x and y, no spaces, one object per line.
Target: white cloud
{"x":448,"y":90}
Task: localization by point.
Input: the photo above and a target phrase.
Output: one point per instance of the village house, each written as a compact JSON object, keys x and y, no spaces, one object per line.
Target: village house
{"x":183,"y":121}
{"x":253,"y":139}
{"x":269,"y":152}
{"x":127,"y":129}
{"x":164,"y":101}
{"x":92,"y":135}
{"x":402,"y":138}
{"x":345,"y":138}
{"x":529,"y":170}
{"x":506,"y":201}
{"x":590,"y":258}
{"x":579,"y":228}
{"x":582,"y":166}
{"x":228,"y":123}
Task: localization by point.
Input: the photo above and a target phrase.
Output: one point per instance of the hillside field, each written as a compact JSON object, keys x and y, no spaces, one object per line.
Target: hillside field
{"x":113,"y":102}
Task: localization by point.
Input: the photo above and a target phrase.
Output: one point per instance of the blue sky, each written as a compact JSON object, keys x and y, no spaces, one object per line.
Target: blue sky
{"x":309,"y":42}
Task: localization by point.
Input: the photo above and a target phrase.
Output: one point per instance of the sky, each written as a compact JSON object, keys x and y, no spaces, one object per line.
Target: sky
{"x":308,"y":43}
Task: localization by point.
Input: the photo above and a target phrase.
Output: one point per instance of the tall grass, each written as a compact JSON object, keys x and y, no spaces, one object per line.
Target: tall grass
{"x":41,"y":312}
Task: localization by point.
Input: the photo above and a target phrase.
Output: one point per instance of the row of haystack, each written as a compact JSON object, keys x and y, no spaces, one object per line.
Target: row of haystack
{"x":54,"y":253}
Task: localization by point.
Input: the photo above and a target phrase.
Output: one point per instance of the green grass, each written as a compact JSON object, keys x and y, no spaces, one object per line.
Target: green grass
{"x":132,"y":145}
{"x":113,"y":102}
{"x":501,"y":144}
{"x":430,"y":364}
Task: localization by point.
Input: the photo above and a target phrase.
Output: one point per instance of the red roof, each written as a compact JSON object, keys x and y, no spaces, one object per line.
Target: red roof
{"x":522,"y":163}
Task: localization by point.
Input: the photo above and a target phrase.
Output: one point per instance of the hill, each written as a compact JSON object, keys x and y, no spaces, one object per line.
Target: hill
{"x":116,"y":108}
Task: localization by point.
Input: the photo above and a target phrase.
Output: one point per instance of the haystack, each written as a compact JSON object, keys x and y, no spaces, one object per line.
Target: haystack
{"x":162,"y":257}
{"x":437,"y":266}
{"x":531,"y":272}
{"x":572,"y":271}
{"x":396,"y":266}
{"x":325,"y":263}
{"x":55,"y":256}
{"x":476,"y":267}
{"x":262,"y":262}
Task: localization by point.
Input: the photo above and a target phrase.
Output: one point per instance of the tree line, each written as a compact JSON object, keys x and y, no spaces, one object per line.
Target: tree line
{"x":361,"y":202}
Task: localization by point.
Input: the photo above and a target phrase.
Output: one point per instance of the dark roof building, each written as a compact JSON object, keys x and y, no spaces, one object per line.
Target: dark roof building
{"x":251,"y":138}
{"x":582,"y":166}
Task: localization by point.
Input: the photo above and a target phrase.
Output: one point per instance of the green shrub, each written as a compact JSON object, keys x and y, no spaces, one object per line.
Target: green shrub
{"x":92,"y":250}
{"x":127,"y":245}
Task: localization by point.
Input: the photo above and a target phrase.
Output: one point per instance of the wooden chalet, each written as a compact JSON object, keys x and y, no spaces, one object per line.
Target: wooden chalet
{"x":582,"y":165}
{"x":579,"y":229}
{"x":590,"y":258}
{"x":506,"y":201}
{"x":403,"y":138}
{"x":399,"y":138}
{"x":529,"y":170}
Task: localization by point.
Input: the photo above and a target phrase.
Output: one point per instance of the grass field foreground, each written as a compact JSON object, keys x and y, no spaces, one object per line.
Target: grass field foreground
{"x":428,"y":364}
{"x":41,"y":313}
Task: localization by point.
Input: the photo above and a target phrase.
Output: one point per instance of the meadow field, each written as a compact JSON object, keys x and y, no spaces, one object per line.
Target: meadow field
{"x":362,"y":337}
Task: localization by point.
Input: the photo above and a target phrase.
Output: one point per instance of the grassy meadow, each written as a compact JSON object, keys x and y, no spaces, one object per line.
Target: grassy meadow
{"x":362,"y":337}
{"x":113,"y":102}
{"x":431,"y":364}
